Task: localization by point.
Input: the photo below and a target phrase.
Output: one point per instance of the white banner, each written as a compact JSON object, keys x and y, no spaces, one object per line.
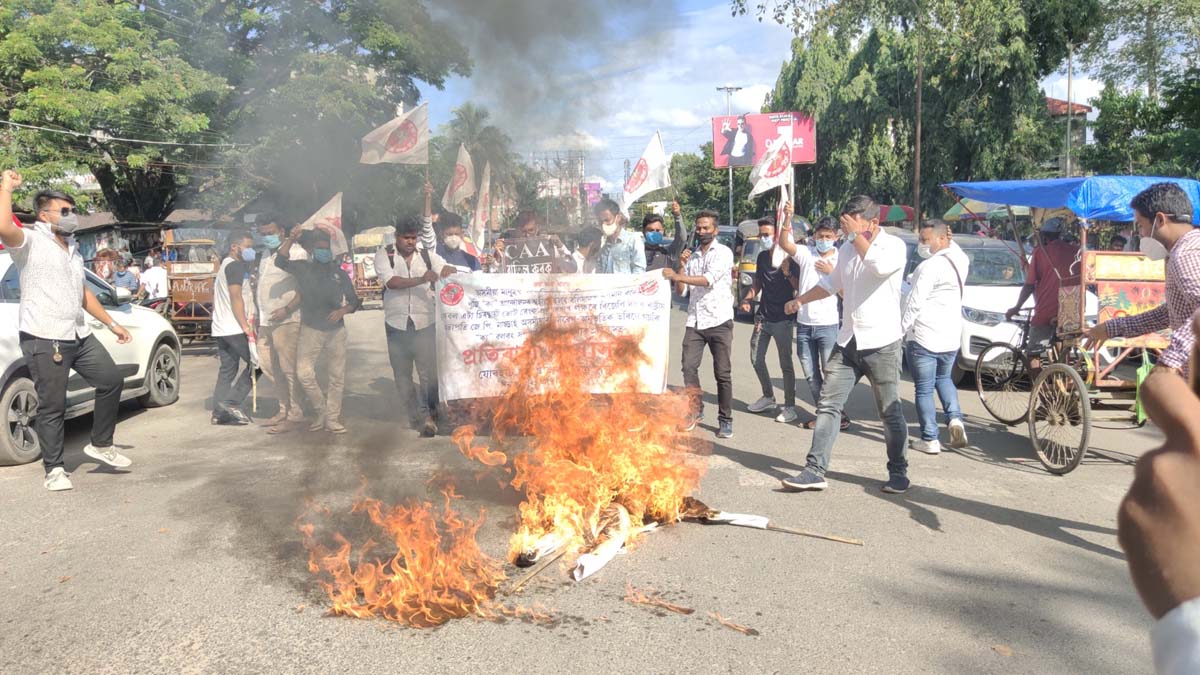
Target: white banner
{"x":462,"y":181}
{"x":404,"y":140}
{"x":483,"y":203}
{"x":484,"y":319}
{"x":652,"y":172}
{"x":329,"y":219}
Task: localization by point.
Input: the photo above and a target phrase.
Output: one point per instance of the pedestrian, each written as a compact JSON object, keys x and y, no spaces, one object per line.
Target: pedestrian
{"x":868,"y":275}
{"x":233,"y":330}
{"x":326,"y":296}
{"x":587,"y":249}
{"x":153,"y":281}
{"x":931,"y":319}
{"x":104,"y":263}
{"x":1164,"y":217}
{"x":1117,"y":243}
{"x":408,"y":277}
{"x":278,"y":339}
{"x":1051,"y":267}
{"x":817,"y":321}
{"x":53,"y":333}
{"x":450,"y":246}
{"x":659,"y":256}
{"x":123,"y":277}
{"x":622,"y":251}
{"x":528,"y":227}
{"x":771,"y":322}
{"x":707,"y":277}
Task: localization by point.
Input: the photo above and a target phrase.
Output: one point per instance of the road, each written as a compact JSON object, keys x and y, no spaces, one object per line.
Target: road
{"x":190,"y":561}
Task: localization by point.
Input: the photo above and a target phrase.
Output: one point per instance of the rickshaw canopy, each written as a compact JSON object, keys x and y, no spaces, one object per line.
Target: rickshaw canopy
{"x":1090,"y":197}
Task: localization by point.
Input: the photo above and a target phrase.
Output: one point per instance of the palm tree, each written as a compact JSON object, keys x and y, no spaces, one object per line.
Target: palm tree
{"x":486,"y":142}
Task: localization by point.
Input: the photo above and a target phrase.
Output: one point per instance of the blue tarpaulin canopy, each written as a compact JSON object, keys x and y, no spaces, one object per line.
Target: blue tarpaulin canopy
{"x":1091,"y":197}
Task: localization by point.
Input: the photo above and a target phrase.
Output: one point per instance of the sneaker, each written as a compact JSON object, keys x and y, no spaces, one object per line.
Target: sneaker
{"x":787,"y":415}
{"x":429,"y":429}
{"x":933,"y":447}
{"x":958,"y":434}
{"x":239,"y":417}
{"x":335,"y":427}
{"x":806,"y":480}
{"x":227,"y":418}
{"x":57,"y":480}
{"x":689,"y":423}
{"x":107,"y":455}
{"x":318,"y":424}
{"x":897,"y":485}
{"x":762,"y":405}
{"x":726,"y":430}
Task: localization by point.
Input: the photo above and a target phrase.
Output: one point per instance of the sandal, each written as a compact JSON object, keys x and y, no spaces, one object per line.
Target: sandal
{"x":845,"y":423}
{"x":810,"y":425}
{"x":284,"y":427}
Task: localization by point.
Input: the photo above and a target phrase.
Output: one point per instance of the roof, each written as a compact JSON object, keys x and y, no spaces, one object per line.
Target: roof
{"x":101,"y":219}
{"x":1091,"y":197}
{"x":1058,"y":107}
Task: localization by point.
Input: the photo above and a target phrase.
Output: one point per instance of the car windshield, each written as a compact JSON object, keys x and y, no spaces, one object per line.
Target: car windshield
{"x":750,"y":249}
{"x":994,"y":267}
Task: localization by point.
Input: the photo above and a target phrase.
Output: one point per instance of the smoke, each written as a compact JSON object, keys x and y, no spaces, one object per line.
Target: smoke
{"x":547,"y":68}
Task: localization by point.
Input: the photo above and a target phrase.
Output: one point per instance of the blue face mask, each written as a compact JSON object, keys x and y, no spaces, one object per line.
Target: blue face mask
{"x":654,"y":238}
{"x":271,"y":241}
{"x":824,"y":245}
{"x":323,"y":255}
{"x":767,"y":242}
{"x":248,"y":254}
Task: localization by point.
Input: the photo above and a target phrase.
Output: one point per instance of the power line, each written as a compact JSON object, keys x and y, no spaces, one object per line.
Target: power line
{"x":80,"y":134}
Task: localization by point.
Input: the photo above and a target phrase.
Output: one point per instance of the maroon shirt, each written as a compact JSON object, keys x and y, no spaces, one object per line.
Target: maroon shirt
{"x":1053,"y":265}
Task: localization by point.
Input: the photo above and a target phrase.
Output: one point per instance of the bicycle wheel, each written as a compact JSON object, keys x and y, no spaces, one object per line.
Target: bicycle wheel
{"x":1003,"y":382}
{"x":1060,"y":418}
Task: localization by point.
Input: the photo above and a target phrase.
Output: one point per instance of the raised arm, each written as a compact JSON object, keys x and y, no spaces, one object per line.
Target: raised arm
{"x":10,"y":235}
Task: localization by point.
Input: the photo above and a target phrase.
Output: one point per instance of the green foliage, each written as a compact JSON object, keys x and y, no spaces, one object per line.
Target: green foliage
{"x":1135,"y":134}
{"x":700,"y":186}
{"x":1144,"y":42}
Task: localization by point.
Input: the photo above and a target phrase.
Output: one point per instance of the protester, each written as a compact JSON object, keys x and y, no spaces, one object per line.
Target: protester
{"x":407,"y":277}
{"x":527,"y":226}
{"x":658,"y":256}
{"x":868,"y":275}
{"x":1052,"y":266}
{"x":278,"y":338}
{"x":123,"y":277}
{"x":1117,"y":243}
{"x":771,"y":322}
{"x":233,"y":330}
{"x":931,"y":320}
{"x":450,"y":248}
{"x":587,"y":249}
{"x":53,"y":332}
{"x":326,"y":296}
{"x":707,"y":278}
{"x":622,"y":250}
{"x":1163,"y":214}
{"x":154,"y":280}
{"x":104,"y":263}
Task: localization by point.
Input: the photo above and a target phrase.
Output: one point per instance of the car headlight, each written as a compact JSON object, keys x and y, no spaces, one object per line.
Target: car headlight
{"x":747,"y":280}
{"x":983,"y":317}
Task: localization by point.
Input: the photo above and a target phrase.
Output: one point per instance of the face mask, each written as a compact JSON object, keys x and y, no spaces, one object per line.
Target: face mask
{"x":654,"y":238}
{"x":609,"y":229}
{"x":1151,"y":247}
{"x":67,"y":224}
{"x":705,"y":239}
{"x":323,"y":255}
{"x":453,"y":242}
{"x":271,"y":241}
{"x":924,"y":251}
{"x":767,"y":242}
{"x":248,"y":254}
{"x":824,"y":245}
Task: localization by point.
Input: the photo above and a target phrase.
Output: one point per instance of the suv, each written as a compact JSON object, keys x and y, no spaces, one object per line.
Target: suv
{"x":149,"y":363}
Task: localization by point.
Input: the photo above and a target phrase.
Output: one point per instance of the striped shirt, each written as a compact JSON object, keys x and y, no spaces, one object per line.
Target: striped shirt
{"x":51,"y":286}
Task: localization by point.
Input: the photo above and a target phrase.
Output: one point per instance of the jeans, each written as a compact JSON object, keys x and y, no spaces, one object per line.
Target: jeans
{"x":814,"y":344}
{"x":719,"y":340}
{"x":406,"y":349}
{"x":760,"y":343}
{"x":329,"y":348}
{"x":931,"y":370}
{"x":231,"y":388}
{"x":846,"y":367}
{"x":277,"y":347}
{"x":93,"y":363}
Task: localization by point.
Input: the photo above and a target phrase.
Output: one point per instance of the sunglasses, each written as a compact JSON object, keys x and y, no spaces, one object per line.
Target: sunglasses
{"x":66,"y":210}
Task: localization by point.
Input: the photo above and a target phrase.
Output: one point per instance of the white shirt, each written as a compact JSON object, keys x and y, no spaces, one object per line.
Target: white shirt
{"x":583,"y":265}
{"x":740,"y":139}
{"x":870,"y":287}
{"x":276,"y":290}
{"x":51,"y":285}
{"x":155,"y":281}
{"x":710,"y":305}
{"x":1176,"y":640}
{"x":224,"y":323}
{"x":822,"y":312}
{"x":415,"y":302}
{"x":932,"y":314}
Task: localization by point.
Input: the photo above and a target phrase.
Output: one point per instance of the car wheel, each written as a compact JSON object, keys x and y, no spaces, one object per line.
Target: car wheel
{"x":162,"y":378}
{"x":18,"y":440}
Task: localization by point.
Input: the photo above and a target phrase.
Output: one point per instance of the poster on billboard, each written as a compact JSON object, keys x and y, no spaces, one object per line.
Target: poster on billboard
{"x":741,"y":140}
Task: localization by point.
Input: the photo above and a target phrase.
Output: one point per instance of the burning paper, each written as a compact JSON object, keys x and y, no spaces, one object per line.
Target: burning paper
{"x":611,"y":542}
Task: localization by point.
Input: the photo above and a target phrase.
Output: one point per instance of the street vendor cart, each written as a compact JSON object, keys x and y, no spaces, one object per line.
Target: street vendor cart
{"x":191,"y":276}
{"x":1060,"y":392}
{"x":365,"y":244}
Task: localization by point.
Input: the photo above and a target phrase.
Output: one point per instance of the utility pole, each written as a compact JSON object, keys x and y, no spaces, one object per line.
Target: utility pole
{"x":917,"y":143}
{"x":729,"y":89}
{"x":1070,"y":104}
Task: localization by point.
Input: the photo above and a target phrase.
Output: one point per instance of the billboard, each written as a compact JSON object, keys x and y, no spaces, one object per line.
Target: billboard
{"x":741,"y":140}
{"x":592,"y":193}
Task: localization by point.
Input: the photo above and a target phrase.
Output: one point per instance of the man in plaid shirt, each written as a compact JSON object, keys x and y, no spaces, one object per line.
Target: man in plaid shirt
{"x":1163,"y":214}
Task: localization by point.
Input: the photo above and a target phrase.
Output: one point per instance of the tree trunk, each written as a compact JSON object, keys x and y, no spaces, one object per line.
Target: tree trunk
{"x":1154,"y":52}
{"x":137,"y":196}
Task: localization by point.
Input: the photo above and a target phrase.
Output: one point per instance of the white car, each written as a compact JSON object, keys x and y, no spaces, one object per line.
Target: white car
{"x":150,"y":363}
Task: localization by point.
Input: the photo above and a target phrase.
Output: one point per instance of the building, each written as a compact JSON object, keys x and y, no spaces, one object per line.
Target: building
{"x":1058,"y":111}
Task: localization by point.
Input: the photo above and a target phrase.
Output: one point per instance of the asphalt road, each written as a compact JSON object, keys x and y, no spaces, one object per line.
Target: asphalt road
{"x":190,"y":561}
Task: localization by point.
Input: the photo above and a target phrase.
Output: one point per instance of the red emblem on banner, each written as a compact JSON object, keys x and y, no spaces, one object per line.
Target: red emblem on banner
{"x":781,"y":162}
{"x":403,"y":138}
{"x":640,"y":173}
{"x":648,"y":287}
{"x":460,"y":178}
{"x":452,"y":294}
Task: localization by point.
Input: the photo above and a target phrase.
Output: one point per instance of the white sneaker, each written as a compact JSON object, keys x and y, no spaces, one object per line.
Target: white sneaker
{"x":762,"y":405}
{"x":57,"y":480}
{"x":787,"y":415}
{"x":958,"y":434}
{"x":928,"y":447}
{"x":107,"y":455}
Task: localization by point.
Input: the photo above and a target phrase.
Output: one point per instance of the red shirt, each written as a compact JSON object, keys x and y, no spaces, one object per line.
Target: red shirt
{"x":1053,"y":265}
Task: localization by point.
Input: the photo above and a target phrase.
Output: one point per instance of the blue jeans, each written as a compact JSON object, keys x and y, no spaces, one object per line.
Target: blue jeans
{"x":846,"y":367}
{"x":760,"y":343}
{"x":814,"y":344}
{"x":931,"y":370}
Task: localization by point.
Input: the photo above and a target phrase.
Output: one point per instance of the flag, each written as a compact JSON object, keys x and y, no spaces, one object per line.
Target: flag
{"x":329,"y":219}
{"x":774,"y":169}
{"x":482,"y":207}
{"x":777,"y":252}
{"x":404,"y":140}
{"x":462,"y":183}
{"x":652,"y":172}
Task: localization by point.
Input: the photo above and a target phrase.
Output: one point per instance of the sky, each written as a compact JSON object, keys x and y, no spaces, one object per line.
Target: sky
{"x":664,"y":76}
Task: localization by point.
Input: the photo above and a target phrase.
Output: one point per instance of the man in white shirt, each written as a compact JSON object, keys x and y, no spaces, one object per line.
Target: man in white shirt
{"x":868,"y":275}
{"x":932,"y":323}
{"x":587,"y":250}
{"x":707,"y":277}
{"x":232,"y":330}
{"x":154,"y":280}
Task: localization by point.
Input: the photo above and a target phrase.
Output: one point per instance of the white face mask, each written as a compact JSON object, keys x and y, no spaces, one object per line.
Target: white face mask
{"x":67,"y":224}
{"x":767,"y":242}
{"x":452,"y":242}
{"x":1151,"y":247}
{"x":924,"y":250}
{"x":610,"y":228}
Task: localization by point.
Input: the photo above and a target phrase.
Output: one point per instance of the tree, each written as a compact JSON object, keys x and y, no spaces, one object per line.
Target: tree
{"x":1144,"y":41}
{"x":699,"y":186}
{"x":1134,"y":134}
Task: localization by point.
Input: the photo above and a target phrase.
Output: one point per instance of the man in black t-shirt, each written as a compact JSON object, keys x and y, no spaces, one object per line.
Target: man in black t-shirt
{"x":778,"y":286}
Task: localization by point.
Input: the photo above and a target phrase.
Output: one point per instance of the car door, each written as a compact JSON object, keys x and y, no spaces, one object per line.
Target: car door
{"x":10,"y":299}
{"x":127,"y":356}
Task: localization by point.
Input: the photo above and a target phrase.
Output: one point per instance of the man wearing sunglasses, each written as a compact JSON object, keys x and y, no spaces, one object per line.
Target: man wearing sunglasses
{"x":54,"y":334}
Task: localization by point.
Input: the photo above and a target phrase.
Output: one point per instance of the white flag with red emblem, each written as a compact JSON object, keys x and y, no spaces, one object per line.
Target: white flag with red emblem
{"x":775,"y":167}
{"x":462,"y":181}
{"x":777,"y":252}
{"x":482,"y":206}
{"x":328,"y":219}
{"x":652,"y":172}
{"x":404,"y":140}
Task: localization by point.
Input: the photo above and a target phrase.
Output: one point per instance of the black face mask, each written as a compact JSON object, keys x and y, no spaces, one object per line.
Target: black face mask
{"x":705,"y":239}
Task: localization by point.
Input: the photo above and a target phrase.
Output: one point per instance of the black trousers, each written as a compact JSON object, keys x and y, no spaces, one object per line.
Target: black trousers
{"x":93,"y":363}
{"x":406,"y":349}
{"x":719,"y":341}
{"x":232,"y":389}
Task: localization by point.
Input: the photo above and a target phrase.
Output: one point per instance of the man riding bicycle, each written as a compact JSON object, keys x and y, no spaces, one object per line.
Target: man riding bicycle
{"x":1051,"y":268}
